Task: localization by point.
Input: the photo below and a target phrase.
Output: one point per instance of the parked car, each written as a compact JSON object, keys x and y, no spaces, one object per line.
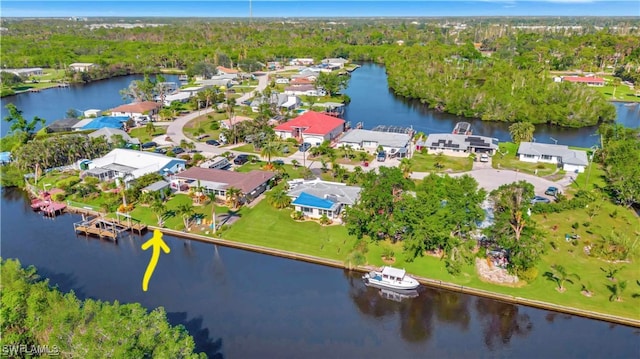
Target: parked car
{"x":278,"y":162}
{"x":160,"y":150}
{"x":552,"y":191}
{"x":304,"y":147}
{"x":177,"y":150}
{"x":382,"y":156}
{"x":540,"y":199}
{"x":241,"y":159}
{"x":212,"y":143}
{"x":484,"y":157}
{"x":147,"y":145}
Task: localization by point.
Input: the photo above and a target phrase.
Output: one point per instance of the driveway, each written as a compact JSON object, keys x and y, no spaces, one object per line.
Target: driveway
{"x":490,"y":179}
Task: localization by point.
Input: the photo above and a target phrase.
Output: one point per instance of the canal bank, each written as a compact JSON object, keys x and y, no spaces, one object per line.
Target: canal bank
{"x":423,"y":280}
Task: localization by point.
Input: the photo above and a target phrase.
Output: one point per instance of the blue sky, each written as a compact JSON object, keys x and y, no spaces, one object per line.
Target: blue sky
{"x":314,"y":8}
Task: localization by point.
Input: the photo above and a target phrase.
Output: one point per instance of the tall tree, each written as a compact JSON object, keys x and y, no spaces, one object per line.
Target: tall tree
{"x":18,"y":124}
{"x":186,"y":211}
{"x":270,"y":149}
{"x":331,"y":82}
{"x":159,"y":208}
{"x":522,"y":132}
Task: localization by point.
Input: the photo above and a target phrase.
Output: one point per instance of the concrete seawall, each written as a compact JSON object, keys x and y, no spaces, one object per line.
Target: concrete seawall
{"x":425,"y":281}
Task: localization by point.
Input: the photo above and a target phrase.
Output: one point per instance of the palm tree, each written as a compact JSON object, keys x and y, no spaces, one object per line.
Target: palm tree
{"x":560,"y":275}
{"x":186,"y":211}
{"x":150,"y":128}
{"x":522,"y":132}
{"x":271,"y":148}
{"x":230,"y":103}
{"x":279,"y":198}
{"x":233,"y":196}
{"x":212,"y":199}
{"x":295,"y":163}
{"x":362,"y":156}
{"x":616,"y":290}
{"x":159,"y":208}
{"x":406,"y":165}
{"x":616,"y":83}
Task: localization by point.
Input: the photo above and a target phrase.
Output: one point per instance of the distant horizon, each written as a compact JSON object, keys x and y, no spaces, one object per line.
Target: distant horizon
{"x":346,"y":9}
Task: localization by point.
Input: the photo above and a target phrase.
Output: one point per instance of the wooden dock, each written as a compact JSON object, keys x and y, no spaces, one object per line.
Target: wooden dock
{"x":109,"y":228}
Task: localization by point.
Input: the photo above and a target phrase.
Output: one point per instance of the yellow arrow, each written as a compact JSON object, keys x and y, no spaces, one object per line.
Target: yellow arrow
{"x":157,"y":243}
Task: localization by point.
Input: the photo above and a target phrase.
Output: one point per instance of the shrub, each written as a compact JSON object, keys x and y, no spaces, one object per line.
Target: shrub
{"x":92,"y":181}
{"x":528,"y":275}
{"x":553,"y":245}
{"x":215,"y":125}
{"x":586,"y":224}
{"x":324,"y":220}
{"x":67,"y":183}
{"x":575,"y":225}
{"x":297,"y":215}
{"x":59,"y":197}
{"x":387,"y":252}
{"x":540,"y":166}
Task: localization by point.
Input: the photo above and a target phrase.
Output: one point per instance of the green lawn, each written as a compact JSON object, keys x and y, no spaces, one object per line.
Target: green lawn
{"x":292,"y":171}
{"x":622,"y":92}
{"x":266,"y":226}
{"x":142,"y":134}
{"x":506,"y":158}
{"x":204,"y":122}
{"x":427,"y":163}
{"x":594,"y":174}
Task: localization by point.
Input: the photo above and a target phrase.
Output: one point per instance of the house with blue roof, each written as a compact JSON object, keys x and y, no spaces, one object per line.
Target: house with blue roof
{"x":315,"y":207}
{"x":106,"y":122}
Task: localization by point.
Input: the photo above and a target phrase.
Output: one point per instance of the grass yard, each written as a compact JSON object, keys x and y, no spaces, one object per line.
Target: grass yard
{"x":248,"y":148}
{"x":506,"y":158}
{"x":427,"y":163}
{"x":204,"y":122}
{"x":259,"y":165}
{"x":144,"y":136}
{"x":593,"y":177}
{"x":622,"y":92}
{"x":266,"y":226}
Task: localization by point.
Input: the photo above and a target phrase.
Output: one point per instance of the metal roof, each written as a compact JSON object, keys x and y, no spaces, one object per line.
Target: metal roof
{"x":568,"y":156}
{"x":387,"y":139}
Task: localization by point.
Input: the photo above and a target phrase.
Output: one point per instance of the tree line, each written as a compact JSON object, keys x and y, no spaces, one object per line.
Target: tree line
{"x":33,"y":313}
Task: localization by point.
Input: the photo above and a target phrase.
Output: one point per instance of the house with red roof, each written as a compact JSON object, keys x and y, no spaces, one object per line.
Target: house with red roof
{"x":589,"y":80}
{"x":137,"y":109}
{"x":312,"y":127}
{"x":227,"y":71}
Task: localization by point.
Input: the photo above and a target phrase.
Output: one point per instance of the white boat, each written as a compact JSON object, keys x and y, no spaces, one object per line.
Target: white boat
{"x":393,"y":278}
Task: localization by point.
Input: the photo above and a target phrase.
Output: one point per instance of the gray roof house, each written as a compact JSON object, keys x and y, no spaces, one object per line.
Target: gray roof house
{"x":570,"y":160}
{"x":448,"y":143}
{"x":367,"y":139}
{"x":276,"y":99}
{"x":64,"y":125}
{"x":109,"y":132}
{"x":334,"y":191}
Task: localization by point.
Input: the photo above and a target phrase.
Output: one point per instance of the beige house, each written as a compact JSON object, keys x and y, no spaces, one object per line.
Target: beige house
{"x":82,"y":66}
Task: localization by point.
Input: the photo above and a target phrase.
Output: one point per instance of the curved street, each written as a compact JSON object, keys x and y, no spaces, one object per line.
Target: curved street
{"x":487,"y":177}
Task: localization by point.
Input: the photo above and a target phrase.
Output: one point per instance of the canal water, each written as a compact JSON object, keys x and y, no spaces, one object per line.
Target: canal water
{"x":373,"y":103}
{"x":239,"y":304}
{"x":53,"y":104}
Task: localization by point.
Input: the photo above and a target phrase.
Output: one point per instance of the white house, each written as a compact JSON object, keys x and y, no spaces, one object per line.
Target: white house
{"x":232,"y":73}
{"x":92,"y":112}
{"x":26,"y":72}
{"x":108,"y":134}
{"x":132,"y":164}
{"x":304,"y":90}
{"x":312,"y":127}
{"x":336,"y":62}
{"x":136,"y":109}
{"x":176,"y":97}
{"x":301,"y":62}
{"x":368,"y":140}
{"x":457,"y":145}
{"x":333,"y":191}
{"x":276,"y":99}
{"x":82,"y":66}
{"x":570,"y":160}
{"x":282,"y":80}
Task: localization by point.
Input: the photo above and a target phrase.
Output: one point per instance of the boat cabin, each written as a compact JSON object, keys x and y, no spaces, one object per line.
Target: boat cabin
{"x":393,"y":273}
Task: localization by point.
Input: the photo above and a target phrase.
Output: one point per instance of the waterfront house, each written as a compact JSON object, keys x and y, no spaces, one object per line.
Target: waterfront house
{"x":304,"y":90}
{"x":26,"y":72}
{"x":251,"y":184}
{"x":182,"y":97}
{"x":133,"y":164}
{"x":458,"y":145}
{"x":335,"y":62}
{"x":338,"y":193}
{"x":312,"y":127}
{"x":589,"y":80}
{"x":368,"y":140}
{"x":102,"y":122}
{"x":108,"y":134}
{"x":137,"y":109}
{"x":82,"y":66}
{"x":65,"y":125}
{"x":570,"y":160}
